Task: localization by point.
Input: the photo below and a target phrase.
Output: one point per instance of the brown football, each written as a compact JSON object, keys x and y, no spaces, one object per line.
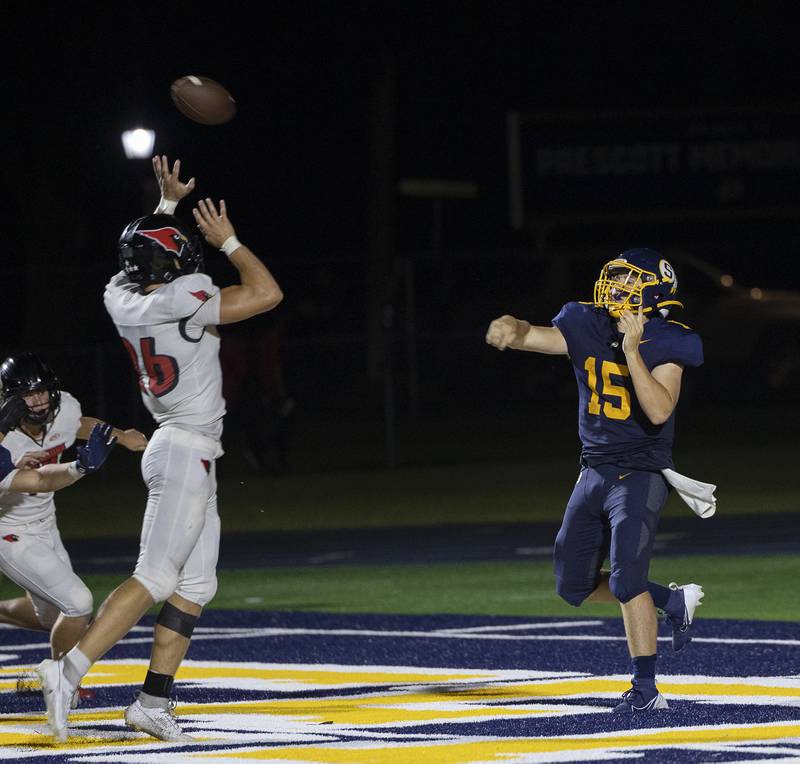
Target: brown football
{"x":203,"y":100}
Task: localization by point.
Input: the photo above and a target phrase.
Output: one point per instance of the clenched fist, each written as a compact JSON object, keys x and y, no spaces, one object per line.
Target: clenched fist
{"x":503,"y":331}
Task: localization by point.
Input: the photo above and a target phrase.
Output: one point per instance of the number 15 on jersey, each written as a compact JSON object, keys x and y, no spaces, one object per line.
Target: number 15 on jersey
{"x":620,"y":409}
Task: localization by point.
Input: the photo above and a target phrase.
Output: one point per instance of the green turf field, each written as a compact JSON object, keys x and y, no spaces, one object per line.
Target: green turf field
{"x":736,"y":587}
{"x":751,"y":482}
{"x":752,"y":460}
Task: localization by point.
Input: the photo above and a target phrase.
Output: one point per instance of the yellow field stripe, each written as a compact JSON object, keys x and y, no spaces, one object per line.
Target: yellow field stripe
{"x":128,"y":673}
{"x":698,"y":690}
{"x":40,"y":737}
{"x":506,"y":750}
{"x":322,"y":676}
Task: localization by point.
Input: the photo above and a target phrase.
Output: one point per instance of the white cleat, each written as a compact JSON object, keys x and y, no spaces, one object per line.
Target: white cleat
{"x":29,"y":683}
{"x":57,"y":692}
{"x":681,"y":623}
{"x":156,"y":722}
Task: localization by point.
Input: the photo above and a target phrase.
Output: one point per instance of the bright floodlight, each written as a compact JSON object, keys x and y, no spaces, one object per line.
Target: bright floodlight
{"x":138,"y":143}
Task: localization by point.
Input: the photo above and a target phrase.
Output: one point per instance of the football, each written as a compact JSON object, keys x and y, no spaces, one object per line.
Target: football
{"x":203,"y":100}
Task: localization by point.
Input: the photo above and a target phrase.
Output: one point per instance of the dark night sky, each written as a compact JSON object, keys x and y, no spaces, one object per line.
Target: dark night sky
{"x":295,"y":164}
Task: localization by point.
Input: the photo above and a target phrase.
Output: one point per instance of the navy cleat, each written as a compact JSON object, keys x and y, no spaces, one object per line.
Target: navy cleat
{"x":680,"y":619}
{"x":641,"y":699}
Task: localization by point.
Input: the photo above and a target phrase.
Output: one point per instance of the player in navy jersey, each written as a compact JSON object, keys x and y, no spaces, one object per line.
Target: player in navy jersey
{"x":628,"y":359}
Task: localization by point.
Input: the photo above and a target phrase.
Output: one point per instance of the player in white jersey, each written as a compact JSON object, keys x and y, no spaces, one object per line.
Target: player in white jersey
{"x":29,"y":477}
{"x":166,"y":312}
{"x":31,"y":552}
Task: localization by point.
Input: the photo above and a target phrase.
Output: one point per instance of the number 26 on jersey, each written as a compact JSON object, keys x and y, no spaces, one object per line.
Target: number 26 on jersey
{"x":161,"y":370}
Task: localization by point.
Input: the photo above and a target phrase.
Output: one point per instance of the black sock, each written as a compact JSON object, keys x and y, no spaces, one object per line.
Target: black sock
{"x":644,"y":670}
{"x":158,"y":685}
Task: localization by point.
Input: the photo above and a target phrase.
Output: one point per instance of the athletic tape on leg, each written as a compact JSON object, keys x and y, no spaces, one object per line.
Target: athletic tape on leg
{"x":175,"y":619}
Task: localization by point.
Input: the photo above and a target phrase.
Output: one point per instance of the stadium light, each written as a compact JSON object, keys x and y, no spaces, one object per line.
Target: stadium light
{"x":138,"y":143}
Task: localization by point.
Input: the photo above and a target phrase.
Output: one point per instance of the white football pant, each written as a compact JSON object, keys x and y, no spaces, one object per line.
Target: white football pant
{"x":38,"y":562}
{"x":181,"y":527}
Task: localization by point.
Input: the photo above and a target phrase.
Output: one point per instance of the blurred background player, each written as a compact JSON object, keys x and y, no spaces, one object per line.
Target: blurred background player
{"x":628,"y":360}
{"x":166,"y":312}
{"x":32,"y":554}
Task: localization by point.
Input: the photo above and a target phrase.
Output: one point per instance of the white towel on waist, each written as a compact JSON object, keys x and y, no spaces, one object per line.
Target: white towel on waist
{"x":698,"y":495}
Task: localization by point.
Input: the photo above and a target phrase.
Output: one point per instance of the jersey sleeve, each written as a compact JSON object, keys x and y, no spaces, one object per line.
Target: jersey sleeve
{"x":684,"y":347}
{"x":197,"y":301}
{"x":71,"y":412}
{"x":569,"y":321}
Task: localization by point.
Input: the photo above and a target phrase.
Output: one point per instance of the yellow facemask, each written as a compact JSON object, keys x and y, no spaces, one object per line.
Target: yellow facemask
{"x":624,"y":286}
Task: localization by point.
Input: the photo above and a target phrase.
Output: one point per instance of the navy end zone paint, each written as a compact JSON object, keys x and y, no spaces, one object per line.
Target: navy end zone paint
{"x":317,"y":687}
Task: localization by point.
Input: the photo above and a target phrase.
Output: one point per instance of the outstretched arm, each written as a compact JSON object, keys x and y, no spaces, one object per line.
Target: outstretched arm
{"x":258,"y":291}
{"x":132,"y":439}
{"x":53,"y":477}
{"x":172,"y":189}
{"x":509,"y":332}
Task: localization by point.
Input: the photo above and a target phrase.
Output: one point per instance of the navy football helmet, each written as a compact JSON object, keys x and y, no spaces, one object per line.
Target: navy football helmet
{"x":155,"y":249}
{"x":27,"y":373}
{"x":637,"y":277}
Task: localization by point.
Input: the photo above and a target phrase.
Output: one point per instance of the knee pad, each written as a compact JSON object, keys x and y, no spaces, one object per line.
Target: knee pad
{"x":81,"y":602}
{"x":159,"y":588}
{"x":574,"y":582}
{"x":572,"y":593}
{"x":199,"y":591}
{"x":73,"y":599}
{"x":626,"y":583}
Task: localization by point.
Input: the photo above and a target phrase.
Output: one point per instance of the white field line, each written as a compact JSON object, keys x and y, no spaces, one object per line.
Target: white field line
{"x":260,"y":633}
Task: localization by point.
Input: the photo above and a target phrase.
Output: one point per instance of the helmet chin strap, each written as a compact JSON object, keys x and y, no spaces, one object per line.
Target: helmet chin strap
{"x":39,"y":419}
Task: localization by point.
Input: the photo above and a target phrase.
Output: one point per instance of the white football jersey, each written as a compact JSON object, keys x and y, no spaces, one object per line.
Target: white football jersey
{"x":59,"y":436}
{"x":175,"y":357}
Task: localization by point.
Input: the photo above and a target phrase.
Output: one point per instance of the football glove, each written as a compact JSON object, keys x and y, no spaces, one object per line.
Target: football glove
{"x":94,"y":452}
{"x":12,"y":410}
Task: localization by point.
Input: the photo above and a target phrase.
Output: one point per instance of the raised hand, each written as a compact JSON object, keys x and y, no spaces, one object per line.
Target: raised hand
{"x":214,"y":226}
{"x":632,"y":324}
{"x":172,"y":188}
{"x":95,"y":451}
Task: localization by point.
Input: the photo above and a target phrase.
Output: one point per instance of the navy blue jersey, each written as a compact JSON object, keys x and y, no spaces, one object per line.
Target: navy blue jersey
{"x":6,"y":465}
{"x":612,"y":426}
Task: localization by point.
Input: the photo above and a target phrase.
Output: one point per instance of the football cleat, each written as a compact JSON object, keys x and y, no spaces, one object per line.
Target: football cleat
{"x":81,"y":695}
{"x":57,"y":692}
{"x":639,"y":699}
{"x":157,"y":722}
{"x":29,"y":684}
{"x":681,"y":619}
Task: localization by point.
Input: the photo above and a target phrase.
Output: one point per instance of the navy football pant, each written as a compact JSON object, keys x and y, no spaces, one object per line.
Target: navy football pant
{"x":612,"y":512}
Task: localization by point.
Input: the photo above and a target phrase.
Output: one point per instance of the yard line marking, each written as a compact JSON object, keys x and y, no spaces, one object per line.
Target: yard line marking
{"x":518,"y":626}
{"x":472,"y":634}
